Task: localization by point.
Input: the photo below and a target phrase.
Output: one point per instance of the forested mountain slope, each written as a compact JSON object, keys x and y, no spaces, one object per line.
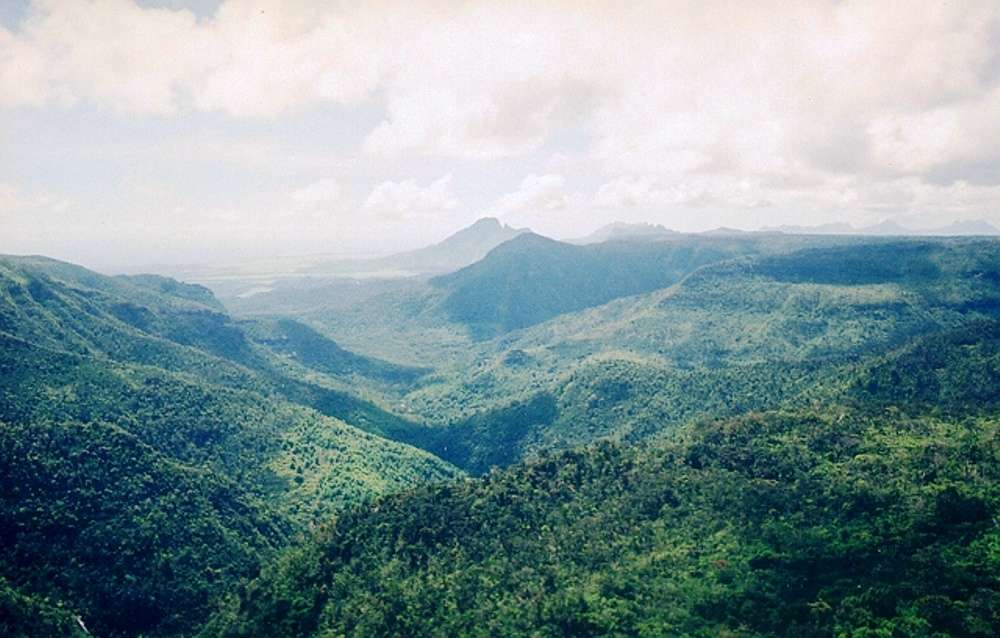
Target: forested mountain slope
{"x":521,"y":282}
{"x":788,"y":524}
{"x":752,"y":333}
{"x":27,"y":616}
{"x":152,"y":452}
{"x":780,"y":406}
{"x":530,"y":278}
{"x":767,"y":318}
{"x":124,"y":536}
{"x":865,"y":507}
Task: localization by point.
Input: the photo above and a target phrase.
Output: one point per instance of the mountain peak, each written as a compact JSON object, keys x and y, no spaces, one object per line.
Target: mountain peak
{"x":486,"y":223}
{"x":886,"y":227}
{"x":890,"y":227}
{"x":620,"y":230}
{"x":488,"y":230}
{"x":457,"y":250}
{"x":723,"y":231}
{"x":968,"y":227}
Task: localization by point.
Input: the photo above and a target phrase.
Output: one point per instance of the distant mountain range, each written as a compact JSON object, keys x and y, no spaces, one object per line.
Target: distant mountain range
{"x":303,"y":275}
{"x":461,"y":249}
{"x":244,"y":279}
{"x":623,"y":230}
{"x":888,"y":228}
{"x":967,"y":227}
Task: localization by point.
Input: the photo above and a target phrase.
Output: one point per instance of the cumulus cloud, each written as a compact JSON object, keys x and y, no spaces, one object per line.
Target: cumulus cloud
{"x":537,"y":194}
{"x":764,"y":102}
{"x":318,"y":200}
{"x":270,"y":56}
{"x":16,"y":205}
{"x":407,"y":199}
{"x":323,"y":192}
{"x":670,"y":88}
{"x":848,"y":107}
{"x":108,"y":51}
{"x":252,"y":58}
{"x":489,"y":80}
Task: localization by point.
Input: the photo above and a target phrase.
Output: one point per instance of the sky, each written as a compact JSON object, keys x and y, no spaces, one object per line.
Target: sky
{"x":174,"y":131}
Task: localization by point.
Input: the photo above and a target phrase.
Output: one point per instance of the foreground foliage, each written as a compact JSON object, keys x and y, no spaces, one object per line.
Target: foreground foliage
{"x":807,"y":446}
{"x":776,"y":524}
{"x":153,"y":455}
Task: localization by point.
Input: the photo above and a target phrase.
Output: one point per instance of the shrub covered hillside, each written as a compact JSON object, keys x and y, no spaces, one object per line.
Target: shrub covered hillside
{"x":800,"y":440}
{"x":25,"y":616}
{"x":128,"y":539}
{"x":153,"y":455}
{"x":753,"y":333}
{"x":776,"y":524}
{"x":869,"y":509}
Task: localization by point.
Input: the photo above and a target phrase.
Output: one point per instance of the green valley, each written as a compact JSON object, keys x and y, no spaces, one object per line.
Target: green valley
{"x":669,"y":434}
{"x":154,"y":454}
{"x":452,"y":319}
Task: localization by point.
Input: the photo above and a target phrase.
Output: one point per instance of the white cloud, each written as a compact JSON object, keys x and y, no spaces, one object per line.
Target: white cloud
{"x":812,"y":104}
{"x":22,"y":72}
{"x":537,"y":194}
{"x":18,"y":206}
{"x":108,"y":51}
{"x":819,"y":108}
{"x":323,"y":192}
{"x":270,"y":56}
{"x":488,"y":80}
{"x":651,"y":192}
{"x":252,"y":58}
{"x":665,"y":88}
{"x":318,"y":201}
{"x":475,"y":81}
{"x":408,"y":200}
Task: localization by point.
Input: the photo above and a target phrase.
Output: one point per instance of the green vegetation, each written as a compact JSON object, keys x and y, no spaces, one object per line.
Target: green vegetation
{"x":744,"y":435}
{"x":870,"y":512}
{"x":741,"y":335}
{"x":301,"y":343}
{"x":777,"y":524}
{"x":128,"y":539}
{"x":526,"y":280}
{"x":152,"y":454}
{"x":26,"y":616}
{"x":530,"y":279}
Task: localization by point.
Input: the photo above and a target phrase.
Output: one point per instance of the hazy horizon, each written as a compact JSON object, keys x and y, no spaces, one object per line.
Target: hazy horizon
{"x":174,"y":132}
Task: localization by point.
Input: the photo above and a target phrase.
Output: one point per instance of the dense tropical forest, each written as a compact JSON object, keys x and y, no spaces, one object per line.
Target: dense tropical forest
{"x":750,"y":434}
